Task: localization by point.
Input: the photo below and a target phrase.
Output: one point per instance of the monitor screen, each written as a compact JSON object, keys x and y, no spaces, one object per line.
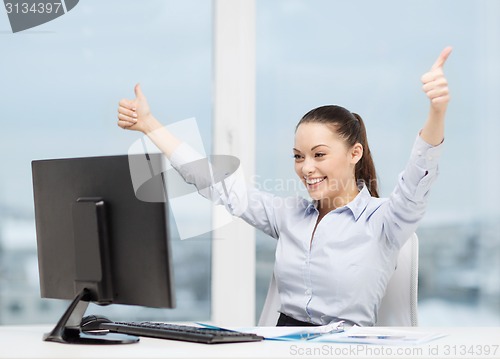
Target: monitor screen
{"x":94,"y":233}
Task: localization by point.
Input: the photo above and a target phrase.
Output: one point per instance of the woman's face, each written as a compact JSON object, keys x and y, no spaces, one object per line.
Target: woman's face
{"x":324,"y":162}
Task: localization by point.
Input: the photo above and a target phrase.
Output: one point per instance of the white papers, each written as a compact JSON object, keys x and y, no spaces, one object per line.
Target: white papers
{"x":382,"y":336}
{"x":288,"y":333}
{"x":296,"y":333}
{"x":335,"y":333}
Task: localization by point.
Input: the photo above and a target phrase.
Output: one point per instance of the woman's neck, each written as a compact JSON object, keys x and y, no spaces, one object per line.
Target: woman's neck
{"x":340,"y":200}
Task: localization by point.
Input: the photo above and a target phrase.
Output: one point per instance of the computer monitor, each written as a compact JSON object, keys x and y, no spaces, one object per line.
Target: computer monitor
{"x":97,"y":242}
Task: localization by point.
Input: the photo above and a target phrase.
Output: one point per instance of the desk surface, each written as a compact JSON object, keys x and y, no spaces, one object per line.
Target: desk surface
{"x":26,"y":342}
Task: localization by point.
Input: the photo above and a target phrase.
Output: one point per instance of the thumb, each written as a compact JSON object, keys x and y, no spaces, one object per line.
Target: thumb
{"x":442,"y":58}
{"x":138,"y":91}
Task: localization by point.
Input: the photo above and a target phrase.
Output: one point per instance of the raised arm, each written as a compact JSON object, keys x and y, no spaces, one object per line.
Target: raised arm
{"x":407,"y":203}
{"x":435,"y":86}
{"x":255,"y":207}
{"x":136,"y":115}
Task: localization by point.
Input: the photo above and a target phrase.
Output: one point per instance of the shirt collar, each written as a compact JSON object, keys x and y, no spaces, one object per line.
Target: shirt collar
{"x":359,"y":203}
{"x":356,"y":206}
{"x":312,"y":206}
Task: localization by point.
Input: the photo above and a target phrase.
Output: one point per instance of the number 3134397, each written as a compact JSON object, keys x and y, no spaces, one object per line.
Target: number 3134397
{"x":34,"y":8}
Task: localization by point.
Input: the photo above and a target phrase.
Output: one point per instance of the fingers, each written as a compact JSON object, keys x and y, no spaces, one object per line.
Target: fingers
{"x":432,"y":75}
{"x":443,"y":56}
{"x":435,"y":86}
{"x":129,"y":111}
{"x":127,"y":118}
{"x":434,"y":82}
{"x":436,"y":94}
{"x":127,"y":114}
{"x":125,"y":124}
{"x":436,"y":89}
{"x":128,"y":104}
{"x":440,"y":100}
{"x":437,"y":82}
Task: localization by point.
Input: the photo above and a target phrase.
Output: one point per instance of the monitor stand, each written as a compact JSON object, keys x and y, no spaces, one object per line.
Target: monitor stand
{"x":68,"y":329}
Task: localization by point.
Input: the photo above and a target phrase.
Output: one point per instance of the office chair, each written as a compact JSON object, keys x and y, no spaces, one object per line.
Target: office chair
{"x":399,"y":304}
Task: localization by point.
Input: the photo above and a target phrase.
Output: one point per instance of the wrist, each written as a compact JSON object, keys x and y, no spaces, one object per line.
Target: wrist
{"x":437,"y":113}
{"x":150,"y":124}
{"x":439,"y":107}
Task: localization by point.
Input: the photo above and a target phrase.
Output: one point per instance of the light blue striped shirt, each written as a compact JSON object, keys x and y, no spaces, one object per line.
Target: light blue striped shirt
{"x":343,"y":274}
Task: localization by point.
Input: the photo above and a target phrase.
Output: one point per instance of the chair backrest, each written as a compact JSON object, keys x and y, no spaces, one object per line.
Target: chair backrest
{"x":399,"y":304}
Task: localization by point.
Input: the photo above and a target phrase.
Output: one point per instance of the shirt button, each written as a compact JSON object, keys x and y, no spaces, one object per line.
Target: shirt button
{"x":308,"y":292}
{"x":419,"y":153}
{"x":430,"y":158}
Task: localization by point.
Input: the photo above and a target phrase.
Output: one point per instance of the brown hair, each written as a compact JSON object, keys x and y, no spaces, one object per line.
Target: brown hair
{"x":350,"y":127}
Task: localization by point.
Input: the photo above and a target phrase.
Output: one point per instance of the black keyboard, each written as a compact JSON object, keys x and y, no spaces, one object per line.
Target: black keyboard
{"x":180,"y":332}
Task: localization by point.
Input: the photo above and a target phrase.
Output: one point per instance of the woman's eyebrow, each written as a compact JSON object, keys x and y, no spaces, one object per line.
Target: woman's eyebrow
{"x":312,"y":149}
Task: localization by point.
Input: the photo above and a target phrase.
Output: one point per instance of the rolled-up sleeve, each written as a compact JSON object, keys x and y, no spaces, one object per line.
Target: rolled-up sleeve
{"x":196,"y":169}
{"x":193,"y":167}
{"x":254,"y":206}
{"x":407,"y":204}
{"x":184,"y":154}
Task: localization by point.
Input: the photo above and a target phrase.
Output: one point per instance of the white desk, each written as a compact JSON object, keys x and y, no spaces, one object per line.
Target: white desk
{"x":26,"y":342}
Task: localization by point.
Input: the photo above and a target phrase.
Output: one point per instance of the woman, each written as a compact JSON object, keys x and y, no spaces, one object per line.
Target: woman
{"x":336,"y":253}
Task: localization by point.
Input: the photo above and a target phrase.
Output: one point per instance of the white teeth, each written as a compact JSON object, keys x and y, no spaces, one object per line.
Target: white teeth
{"x":314,"y":180}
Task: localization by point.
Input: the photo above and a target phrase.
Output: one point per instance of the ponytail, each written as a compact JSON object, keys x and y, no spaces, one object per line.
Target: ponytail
{"x":351,"y":128}
{"x":365,"y":168}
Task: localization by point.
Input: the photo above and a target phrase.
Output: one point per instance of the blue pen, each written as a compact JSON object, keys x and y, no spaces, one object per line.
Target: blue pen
{"x":376,"y":336}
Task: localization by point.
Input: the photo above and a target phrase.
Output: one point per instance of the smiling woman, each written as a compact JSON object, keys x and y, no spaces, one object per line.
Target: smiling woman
{"x":336,"y":253}
{"x":338,"y":149}
{"x":311,"y":53}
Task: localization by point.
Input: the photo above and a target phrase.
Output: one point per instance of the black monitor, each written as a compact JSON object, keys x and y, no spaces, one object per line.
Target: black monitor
{"x":97,"y":241}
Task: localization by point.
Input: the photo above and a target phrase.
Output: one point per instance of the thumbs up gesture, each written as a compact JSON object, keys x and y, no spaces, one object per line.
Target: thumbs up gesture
{"x":435,"y":84}
{"x":135,"y":114}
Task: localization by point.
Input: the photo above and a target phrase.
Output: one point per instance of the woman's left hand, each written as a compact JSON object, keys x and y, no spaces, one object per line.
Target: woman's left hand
{"x":435,"y":83}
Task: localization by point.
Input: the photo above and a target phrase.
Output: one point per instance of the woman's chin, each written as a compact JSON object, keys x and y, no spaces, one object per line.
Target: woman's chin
{"x":315,"y":195}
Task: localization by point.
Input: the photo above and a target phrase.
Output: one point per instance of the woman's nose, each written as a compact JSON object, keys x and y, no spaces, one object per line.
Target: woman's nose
{"x":307,"y":167}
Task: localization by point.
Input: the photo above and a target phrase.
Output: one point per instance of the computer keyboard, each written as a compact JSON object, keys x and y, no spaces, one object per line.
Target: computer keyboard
{"x":180,"y":332}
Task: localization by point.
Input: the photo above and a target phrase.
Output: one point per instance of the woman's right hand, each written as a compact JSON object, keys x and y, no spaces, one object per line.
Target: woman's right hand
{"x":135,"y":114}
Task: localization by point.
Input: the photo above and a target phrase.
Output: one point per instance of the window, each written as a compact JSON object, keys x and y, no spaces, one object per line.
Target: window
{"x":368,"y":56}
{"x":61,"y":85}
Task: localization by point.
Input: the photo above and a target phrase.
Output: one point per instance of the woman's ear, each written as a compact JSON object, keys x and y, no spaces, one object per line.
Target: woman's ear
{"x":356,"y":152}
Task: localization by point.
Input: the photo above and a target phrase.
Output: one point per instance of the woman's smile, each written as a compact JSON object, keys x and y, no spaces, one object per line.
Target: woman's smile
{"x":314,"y":183}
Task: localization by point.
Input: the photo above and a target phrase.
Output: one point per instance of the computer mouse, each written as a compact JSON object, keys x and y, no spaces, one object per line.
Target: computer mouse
{"x":92,"y":323}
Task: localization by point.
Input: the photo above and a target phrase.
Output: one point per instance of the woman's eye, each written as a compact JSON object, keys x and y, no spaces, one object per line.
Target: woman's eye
{"x":297,"y":157}
{"x":319,"y":154}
